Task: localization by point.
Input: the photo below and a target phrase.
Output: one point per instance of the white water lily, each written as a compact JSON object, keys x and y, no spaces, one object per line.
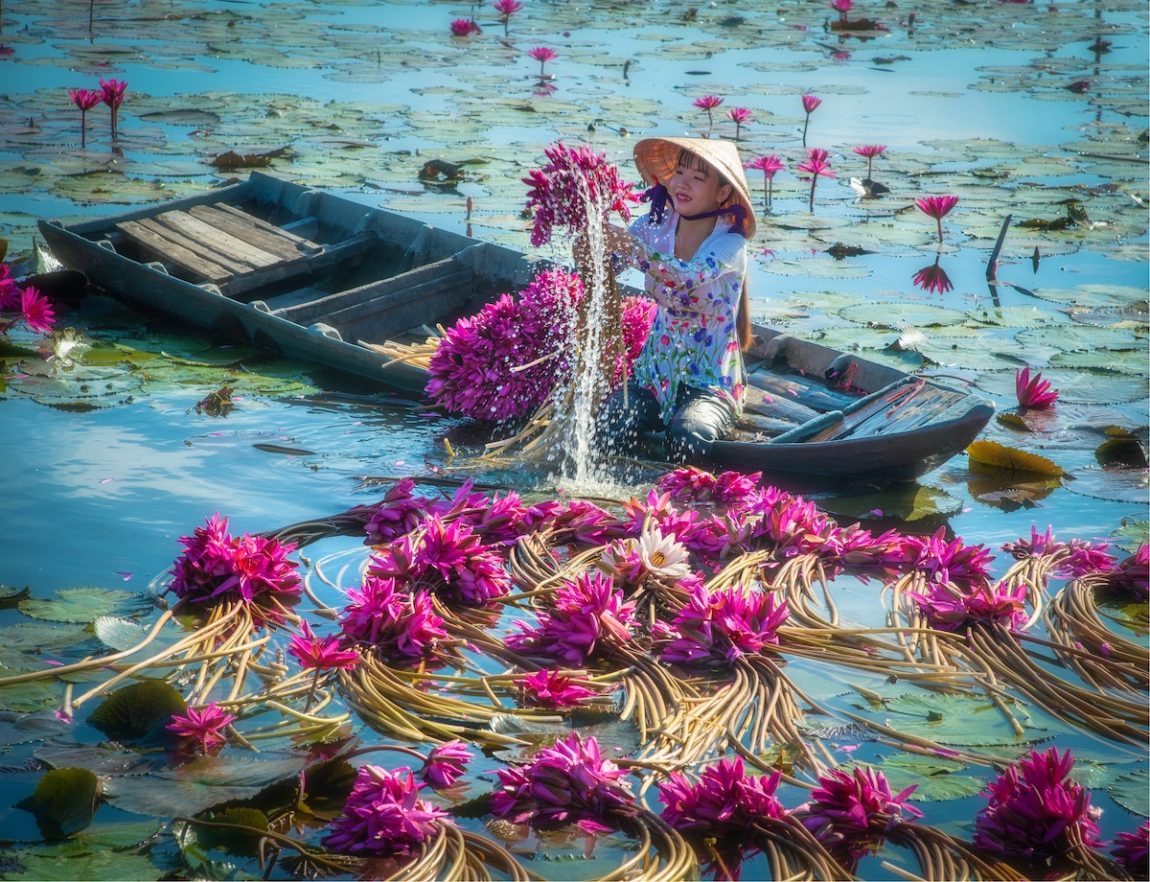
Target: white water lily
{"x":663,"y":555}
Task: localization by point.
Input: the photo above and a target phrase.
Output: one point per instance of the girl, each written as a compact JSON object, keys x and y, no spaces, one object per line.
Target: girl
{"x":692,"y":249}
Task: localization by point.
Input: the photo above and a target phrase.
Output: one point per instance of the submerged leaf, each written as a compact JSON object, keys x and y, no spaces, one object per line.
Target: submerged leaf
{"x":1132,"y":792}
{"x":999,"y":456}
{"x":64,"y":802}
{"x":959,"y":720}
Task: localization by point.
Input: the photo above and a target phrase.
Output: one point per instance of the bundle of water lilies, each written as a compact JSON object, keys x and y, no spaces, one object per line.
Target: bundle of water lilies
{"x":657,"y":688}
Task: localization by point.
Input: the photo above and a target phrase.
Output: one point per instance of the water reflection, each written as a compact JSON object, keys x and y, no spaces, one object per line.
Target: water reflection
{"x":933,"y":278}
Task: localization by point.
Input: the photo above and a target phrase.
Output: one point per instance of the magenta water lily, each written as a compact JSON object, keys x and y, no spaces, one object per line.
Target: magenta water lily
{"x":810,"y":104}
{"x":85,"y":100}
{"x":740,"y":116}
{"x":708,"y":103}
{"x":725,"y":802}
{"x":112,"y":94}
{"x":870,"y":151}
{"x":933,"y":278}
{"x":554,"y":690}
{"x":769,"y":166}
{"x":817,"y":165}
{"x":937,"y":207}
{"x":384,"y":815}
{"x":203,"y":726}
{"x":465,"y":27}
{"x":1032,"y":390}
{"x":506,"y":9}
{"x":543,"y":54}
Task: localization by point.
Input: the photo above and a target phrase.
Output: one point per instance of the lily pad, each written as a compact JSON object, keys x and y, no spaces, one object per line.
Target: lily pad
{"x":958,"y":720}
{"x":1115,"y":484}
{"x":79,"y":858}
{"x":898,"y":315}
{"x":138,"y":712}
{"x":1132,"y":792}
{"x":201,"y":784}
{"x":64,"y":802}
{"x":86,"y":604}
{"x":992,"y":455}
{"x":103,"y":759}
{"x":937,"y":779}
{"x":909,"y":503}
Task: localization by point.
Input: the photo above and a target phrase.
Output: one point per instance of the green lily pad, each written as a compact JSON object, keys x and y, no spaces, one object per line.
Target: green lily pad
{"x":78,"y":858}
{"x":1132,"y":534}
{"x":1115,"y":484}
{"x":1132,"y":792}
{"x":40,"y":637}
{"x":907,"y":503}
{"x":138,"y":712}
{"x":86,"y":604}
{"x":63,"y":802}
{"x":201,"y":784}
{"x":898,"y":315}
{"x":938,"y":780}
{"x":958,"y":720}
{"x":31,"y":696}
{"x":103,"y":759}
{"x":233,"y":841}
{"x":23,"y":728}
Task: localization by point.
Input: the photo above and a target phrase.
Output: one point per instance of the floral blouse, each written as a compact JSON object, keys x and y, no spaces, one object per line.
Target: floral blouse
{"x":694,"y":340}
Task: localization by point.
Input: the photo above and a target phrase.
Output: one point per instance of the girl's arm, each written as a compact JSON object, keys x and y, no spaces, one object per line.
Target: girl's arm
{"x":718,"y":270}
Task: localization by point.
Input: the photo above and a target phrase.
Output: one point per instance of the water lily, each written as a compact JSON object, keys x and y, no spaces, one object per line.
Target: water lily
{"x":937,"y":207}
{"x":769,"y":166}
{"x":943,"y":560}
{"x":589,"y":618}
{"x":851,"y":812}
{"x":112,"y":94}
{"x":662,"y":556}
{"x":465,"y":27}
{"x":217,"y":568}
{"x":204,"y":725}
{"x":36,"y":310}
{"x":85,"y":99}
{"x":816,"y":166}
{"x":708,"y":103}
{"x":1132,"y":851}
{"x":739,"y":116}
{"x":320,"y":653}
{"x":543,"y":54}
{"x":506,"y":9}
{"x":403,"y":627}
{"x":1033,"y":391}
{"x":1036,"y":811}
{"x":568,"y":782}
{"x":724,"y":802}
{"x":870,"y":151}
{"x":445,"y":764}
{"x":689,"y":484}
{"x":949,"y":609}
{"x":718,"y":627}
{"x":810,"y":102}
{"x":933,"y":278}
{"x":383,"y":815}
{"x":553,"y":690}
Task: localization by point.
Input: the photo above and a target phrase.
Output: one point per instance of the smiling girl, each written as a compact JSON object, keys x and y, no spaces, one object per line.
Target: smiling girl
{"x":692,"y":249}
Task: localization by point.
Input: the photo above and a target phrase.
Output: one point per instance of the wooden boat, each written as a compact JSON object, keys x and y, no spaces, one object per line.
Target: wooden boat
{"x":321,"y":277}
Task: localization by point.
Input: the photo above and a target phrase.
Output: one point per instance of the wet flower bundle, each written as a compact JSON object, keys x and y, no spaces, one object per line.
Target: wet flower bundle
{"x":505,"y":361}
{"x":477,"y":619}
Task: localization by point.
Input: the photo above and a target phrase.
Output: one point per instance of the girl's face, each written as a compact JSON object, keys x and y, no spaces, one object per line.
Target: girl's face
{"x":696,"y":187}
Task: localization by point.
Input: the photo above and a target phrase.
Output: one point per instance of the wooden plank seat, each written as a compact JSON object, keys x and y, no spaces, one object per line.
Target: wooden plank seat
{"x":235,"y":251}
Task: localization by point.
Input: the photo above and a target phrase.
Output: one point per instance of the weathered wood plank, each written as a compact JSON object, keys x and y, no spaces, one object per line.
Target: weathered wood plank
{"x":281,"y":246}
{"x":164,"y":249}
{"x":775,"y":406}
{"x":330,"y":255}
{"x":303,"y":243}
{"x":193,"y":245}
{"x":219,"y":241}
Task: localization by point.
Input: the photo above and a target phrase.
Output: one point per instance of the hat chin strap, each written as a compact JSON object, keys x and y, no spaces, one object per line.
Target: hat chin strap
{"x":658,"y":197}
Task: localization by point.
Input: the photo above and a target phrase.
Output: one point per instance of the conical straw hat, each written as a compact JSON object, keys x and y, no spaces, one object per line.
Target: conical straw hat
{"x":657,"y":158}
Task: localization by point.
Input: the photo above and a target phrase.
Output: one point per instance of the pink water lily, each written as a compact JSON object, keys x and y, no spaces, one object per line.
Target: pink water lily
{"x":810,"y":102}
{"x":569,"y":782}
{"x":445,"y":764}
{"x":553,"y":690}
{"x":870,"y":151}
{"x":383,"y":815}
{"x":708,"y":103}
{"x":817,"y":165}
{"x":1036,"y":811}
{"x":769,"y":166}
{"x":85,"y":99}
{"x":36,"y":310}
{"x":465,"y":27}
{"x":740,"y":116}
{"x":203,"y":725}
{"x":725,"y":801}
{"x":404,"y":628}
{"x":320,"y":653}
{"x":1132,"y":851}
{"x":937,"y":207}
{"x":506,"y":9}
{"x":933,"y":278}
{"x":1033,"y":391}
{"x":112,"y":94}
{"x":543,"y":54}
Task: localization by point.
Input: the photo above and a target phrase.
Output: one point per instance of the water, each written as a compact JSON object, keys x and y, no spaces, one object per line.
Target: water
{"x":977,"y":105}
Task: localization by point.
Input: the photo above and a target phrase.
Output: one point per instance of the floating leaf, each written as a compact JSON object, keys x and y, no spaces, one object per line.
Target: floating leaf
{"x":205,"y":782}
{"x":31,"y":696}
{"x":1115,"y":484}
{"x":39,"y":636}
{"x":103,"y":759}
{"x":1131,"y":534}
{"x":938,"y":780}
{"x":991,"y":454}
{"x":957,"y":720}
{"x":1132,"y":792}
{"x":86,"y":604}
{"x":904,"y":502}
{"x":138,"y":712}
{"x":77,"y":858}
{"x":63,"y":802}
{"x":22,"y":728}
{"x":1125,"y":451}
{"x":1013,"y":421}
